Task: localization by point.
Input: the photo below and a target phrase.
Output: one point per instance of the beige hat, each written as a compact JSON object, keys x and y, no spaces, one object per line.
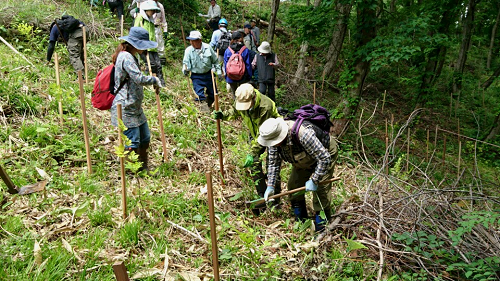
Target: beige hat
{"x":264,"y":48}
{"x":244,"y":96}
{"x":272,"y":132}
{"x":194,"y":35}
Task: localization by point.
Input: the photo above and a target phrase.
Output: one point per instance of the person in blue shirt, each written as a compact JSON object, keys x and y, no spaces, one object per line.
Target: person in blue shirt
{"x":73,"y":40}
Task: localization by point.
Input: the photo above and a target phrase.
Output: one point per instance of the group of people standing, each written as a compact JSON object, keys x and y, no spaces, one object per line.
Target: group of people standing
{"x":312,"y":156}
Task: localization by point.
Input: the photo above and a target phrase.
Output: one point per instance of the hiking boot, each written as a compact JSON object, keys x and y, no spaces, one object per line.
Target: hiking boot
{"x":300,"y":210}
{"x":319,"y":222}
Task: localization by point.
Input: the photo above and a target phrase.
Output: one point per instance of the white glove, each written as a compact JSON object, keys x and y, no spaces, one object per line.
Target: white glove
{"x":269,"y":192}
{"x":201,"y":15}
{"x":158,"y":82}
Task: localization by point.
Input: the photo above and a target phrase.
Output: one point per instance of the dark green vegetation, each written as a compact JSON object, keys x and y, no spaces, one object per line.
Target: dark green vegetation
{"x":436,"y":219}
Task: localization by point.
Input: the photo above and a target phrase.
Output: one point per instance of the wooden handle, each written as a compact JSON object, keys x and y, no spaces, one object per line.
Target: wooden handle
{"x":8,"y":182}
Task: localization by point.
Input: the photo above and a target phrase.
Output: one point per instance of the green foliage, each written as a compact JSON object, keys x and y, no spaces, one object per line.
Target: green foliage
{"x":129,"y":234}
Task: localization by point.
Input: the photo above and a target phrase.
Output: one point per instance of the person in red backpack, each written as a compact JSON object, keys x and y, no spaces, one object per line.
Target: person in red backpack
{"x":235,"y":47}
{"x":130,"y":96}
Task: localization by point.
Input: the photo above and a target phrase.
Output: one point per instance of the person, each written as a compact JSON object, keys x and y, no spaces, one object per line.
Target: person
{"x":135,"y":11}
{"x":145,"y":19}
{"x":256,"y":31}
{"x":250,"y":40}
{"x":254,"y":108}
{"x":235,"y":46}
{"x":115,"y":6}
{"x":213,"y":15}
{"x":266,"y":62}
{"x":199,"y":59}
{"x":312,"y":158}
{"x":73,"y":38}
{"x":216,"y":35}
{"x":131,"y":93}
{"x":161,"y":29}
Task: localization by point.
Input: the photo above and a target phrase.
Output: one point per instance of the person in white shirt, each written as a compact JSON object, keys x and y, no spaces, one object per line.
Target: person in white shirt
{"x":214,"y":15}
{"x":161,"y":29}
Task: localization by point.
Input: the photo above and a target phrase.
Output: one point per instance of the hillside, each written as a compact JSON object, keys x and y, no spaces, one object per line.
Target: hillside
{"x":435,"y":217}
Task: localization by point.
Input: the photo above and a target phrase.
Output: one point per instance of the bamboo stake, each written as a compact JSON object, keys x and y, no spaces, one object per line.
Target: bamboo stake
{"x":15,"y":51}
{"x":386,"y":147}
{"x":436,"y":137}
{"x":85,"y":54}
{"x":213,"y":230}
{"x":149,"y":64}
{"x":219,"y":138}
{"x":84,"y":118}
{"x":383,"y":100}
{"x":122,"y":165}
{"x":182,"y":30}
{"x":121,"y":26}
{"x":58,"y":82}
{"x":314,"y":92}
{"x":408,"y":151}
{"x":160,"y":120}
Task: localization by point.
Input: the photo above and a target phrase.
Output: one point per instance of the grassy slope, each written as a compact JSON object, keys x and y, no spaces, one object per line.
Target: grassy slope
{"x":81,"y":214}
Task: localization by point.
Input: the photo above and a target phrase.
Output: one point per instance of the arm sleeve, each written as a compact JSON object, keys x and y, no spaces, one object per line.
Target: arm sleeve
{"x":215,"y":61}
{"x":135,"y":74}
{"x":313,"y":146}
{"x":276,"y":61}
{"x":50,"y":49}
{"x":274,"y":165}
{"x":254,"y":62}
{"x":185,"y":60}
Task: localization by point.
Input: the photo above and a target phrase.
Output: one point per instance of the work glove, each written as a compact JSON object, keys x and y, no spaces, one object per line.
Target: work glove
{"x":200,"y":14}
{"x":185,"y":72}
{"x":217,"y":114}
{"x":158,"y":82}
{"x":311,"y":186}
{"x":165,"y":34}
{"x":137,"y":10}
{"x":248,"y":161}
{"x":269,"y":192}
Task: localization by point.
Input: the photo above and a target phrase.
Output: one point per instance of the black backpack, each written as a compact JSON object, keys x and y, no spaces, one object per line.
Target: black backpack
{"x":68,"y":23}
{"x":223,"y":43}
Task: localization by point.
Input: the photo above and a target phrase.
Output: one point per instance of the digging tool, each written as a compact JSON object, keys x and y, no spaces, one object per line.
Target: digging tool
{"x":160,"y":117}
{"x":27,"y":189}
{"x":261,"y":200}
{"x":213,"y":227}
{"x":84,"y":119}
{"x":219,"y":139}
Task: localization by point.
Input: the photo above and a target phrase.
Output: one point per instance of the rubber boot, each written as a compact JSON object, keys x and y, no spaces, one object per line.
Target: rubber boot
{"x":319,"y":222}
{"x":210,"y":102}
{"x":143,"y":157}
{"x":300,"y":210}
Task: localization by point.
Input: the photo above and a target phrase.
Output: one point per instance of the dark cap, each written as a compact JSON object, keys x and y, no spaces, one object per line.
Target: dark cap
{"x":237,"y":35}
{"x":247,"y":26}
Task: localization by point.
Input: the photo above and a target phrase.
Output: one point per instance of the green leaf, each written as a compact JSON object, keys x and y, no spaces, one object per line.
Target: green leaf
{"x":468,"y":274}
{"x":354,"y":245}
{"x":236,"y":196}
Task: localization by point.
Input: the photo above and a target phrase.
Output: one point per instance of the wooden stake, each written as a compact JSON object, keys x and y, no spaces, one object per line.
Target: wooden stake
{"x":120,"y":271}
{"x":182,"y":30}
{"x":149,"y":64}
{"x":436,"y":137}
{"x":444,"y":149}
{"x":85,"y":54}
{"x":8,"y":182}
{"x":58,"y":82}
{"x":160,"y":121}
{"x":408,"y":151}
{"x":213,"y":229}
{"x":459,"y":157}
{"x":314,"y":92}
{"x":122,"y":164}
{"x":219,"y":138}
{"x":383,"y":101}
{"x":427,"y":147}
{"x":386,"y":147}
{"x":121,"y":26}
{"x":84,"y":118}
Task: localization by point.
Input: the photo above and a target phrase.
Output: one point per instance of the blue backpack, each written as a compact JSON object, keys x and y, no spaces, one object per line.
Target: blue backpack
{"x":314,"y":114}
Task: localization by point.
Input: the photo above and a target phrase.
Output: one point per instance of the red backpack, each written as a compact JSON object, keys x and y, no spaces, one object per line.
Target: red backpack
{"x":235,"y":66}
{"x":104,"y":85}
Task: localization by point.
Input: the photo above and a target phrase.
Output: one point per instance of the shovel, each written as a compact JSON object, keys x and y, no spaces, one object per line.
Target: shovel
{"x":262,"y":200}
{"x":12,"y":189}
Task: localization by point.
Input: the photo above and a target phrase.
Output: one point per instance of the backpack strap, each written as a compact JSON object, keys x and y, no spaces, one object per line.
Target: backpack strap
{"x":242,"y":49}
{"x":232,"y":51}
{"x":124,"y":81}
{"x":60,"y":32}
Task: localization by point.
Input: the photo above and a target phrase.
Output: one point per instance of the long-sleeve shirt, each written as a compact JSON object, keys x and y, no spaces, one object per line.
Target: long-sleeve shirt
{"x":214,"y":11}
{"x":201,"y":60}
{"x":316,"y":155}
{"x":131,"y":94}
{"x":159,"y":18}
{"x":216,"y":36}
{"x":276,"y":61}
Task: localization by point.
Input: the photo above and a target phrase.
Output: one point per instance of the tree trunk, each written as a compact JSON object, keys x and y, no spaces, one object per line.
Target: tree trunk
{"x":272,"y":21}
{"x":492,"y":40}
{"x":301,"y":65}
{"x":468,"y":25}
{"x":393,"y":6}
{"x":490,"y":80}
{"x":495,"y":129}
{"x":344,"y":10}
{"x":366,"y":31}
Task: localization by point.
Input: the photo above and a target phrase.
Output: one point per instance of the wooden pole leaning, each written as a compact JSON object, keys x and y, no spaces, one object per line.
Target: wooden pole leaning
{"x":121,"y":26}
{"x":182,"y":31}
{"x":85,"y":54}
{"x":84,"y":119}
{"x":213,"y":229}
{"x":58,"y":82}
{"x":219,"y":138}
{"x":122,"y":164}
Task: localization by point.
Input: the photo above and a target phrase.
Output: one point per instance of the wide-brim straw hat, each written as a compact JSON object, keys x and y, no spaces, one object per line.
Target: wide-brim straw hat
{"x":139,"y":38}
{"x":264,"y":48}
{"x":272,"y":132}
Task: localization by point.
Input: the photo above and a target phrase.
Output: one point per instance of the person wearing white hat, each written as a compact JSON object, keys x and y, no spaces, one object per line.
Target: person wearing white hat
{"x":199,"y":59}
{"x":266,"y":62}
{"x":146,"y":20}
{"x":312,"y":158}
{"x":254,"y":108}
{"x":129,"y":81}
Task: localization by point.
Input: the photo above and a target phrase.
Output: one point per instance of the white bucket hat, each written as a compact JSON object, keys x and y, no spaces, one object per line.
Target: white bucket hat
{"x":272,"y":132}
{"x":264,"y":48}
{"x":194,"y":35}
{"x":150,"y":5}
{"x":244,"y":96}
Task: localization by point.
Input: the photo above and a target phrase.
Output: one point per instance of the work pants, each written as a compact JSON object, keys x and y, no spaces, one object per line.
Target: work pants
{"x":154,"y":59}
{"x":267,"y":88}
{"x":75,"y":49}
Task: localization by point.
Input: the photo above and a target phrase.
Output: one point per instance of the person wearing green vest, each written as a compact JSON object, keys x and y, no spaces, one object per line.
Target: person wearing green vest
{"x":254,"y":108}
{"x":145,"y":20}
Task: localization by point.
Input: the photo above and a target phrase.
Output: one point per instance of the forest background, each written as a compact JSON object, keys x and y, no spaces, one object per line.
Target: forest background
{"x":413,"y":89}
